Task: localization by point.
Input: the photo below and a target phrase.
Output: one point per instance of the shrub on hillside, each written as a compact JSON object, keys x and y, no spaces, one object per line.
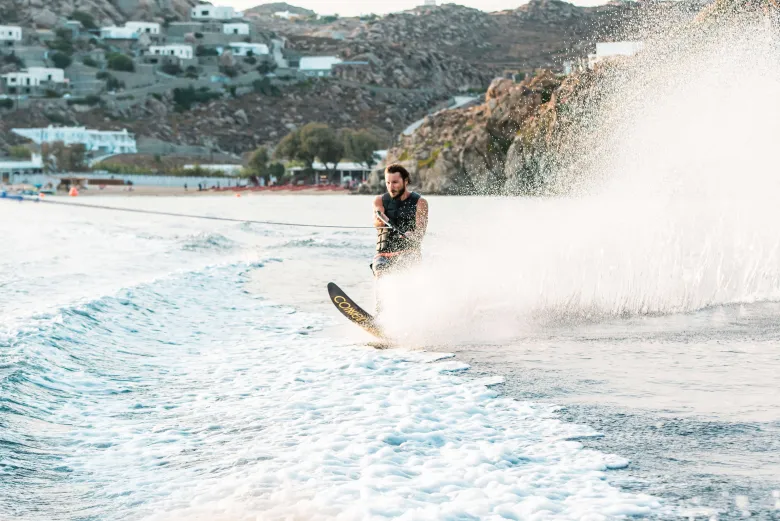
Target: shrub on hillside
{"x":266,"y":88}
{"x":202,"y":50}
{"x":86,"y":19}
{"x":114,"y":84}
{"x":61,"y":60}
{"x":14,"y":60}
{"x":120,"y":62}
{"x":184,"y":99}
{"x":90,"y":100}
{"x":62,"y":43}
{"x":172,"y":69}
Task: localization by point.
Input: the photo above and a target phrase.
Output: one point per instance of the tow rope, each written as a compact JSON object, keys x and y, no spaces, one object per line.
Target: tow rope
{"x":11,"y":197}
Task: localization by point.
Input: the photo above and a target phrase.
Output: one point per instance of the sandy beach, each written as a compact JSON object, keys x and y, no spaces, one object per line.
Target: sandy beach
{"x":176,"y":191}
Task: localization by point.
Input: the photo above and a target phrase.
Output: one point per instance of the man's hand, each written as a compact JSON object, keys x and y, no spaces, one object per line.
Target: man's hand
{"x":379,"y":208}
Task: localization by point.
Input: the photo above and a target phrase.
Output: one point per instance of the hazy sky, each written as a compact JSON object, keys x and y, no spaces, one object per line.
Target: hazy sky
{"x":357,"y":7}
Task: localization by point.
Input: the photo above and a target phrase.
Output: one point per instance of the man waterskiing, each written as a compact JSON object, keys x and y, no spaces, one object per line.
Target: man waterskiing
{"x":401,"y":218}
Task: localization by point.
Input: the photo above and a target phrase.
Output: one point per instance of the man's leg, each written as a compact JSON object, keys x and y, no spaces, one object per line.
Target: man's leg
{"x":380,"y":267}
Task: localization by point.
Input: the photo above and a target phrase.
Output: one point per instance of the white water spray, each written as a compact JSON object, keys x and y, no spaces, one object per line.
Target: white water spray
{"x":685,"y":214}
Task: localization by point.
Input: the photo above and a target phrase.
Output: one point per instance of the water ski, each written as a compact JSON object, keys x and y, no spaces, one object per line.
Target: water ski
{"x":352,"y":311}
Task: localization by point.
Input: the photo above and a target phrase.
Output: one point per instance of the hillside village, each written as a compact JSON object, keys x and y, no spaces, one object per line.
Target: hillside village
{"x":78,"y":59}
{"x":208,"y":90}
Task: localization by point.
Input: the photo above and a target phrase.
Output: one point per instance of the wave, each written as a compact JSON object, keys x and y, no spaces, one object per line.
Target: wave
{"x":208,"y":241}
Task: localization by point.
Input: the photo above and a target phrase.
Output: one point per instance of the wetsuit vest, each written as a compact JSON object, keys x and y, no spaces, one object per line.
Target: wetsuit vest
{"x":403,"y":215}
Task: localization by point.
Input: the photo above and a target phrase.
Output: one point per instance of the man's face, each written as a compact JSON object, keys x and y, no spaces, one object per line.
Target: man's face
{"x":396,"y":186}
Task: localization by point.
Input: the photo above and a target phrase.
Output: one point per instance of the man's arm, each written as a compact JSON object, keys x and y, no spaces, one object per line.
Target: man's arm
{"x":378,"y":207}
{"x":422,"y":219}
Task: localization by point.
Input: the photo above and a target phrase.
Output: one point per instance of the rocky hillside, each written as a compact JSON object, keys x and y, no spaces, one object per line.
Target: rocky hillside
{"x":236,"y":125}
{"x":500,"y":146}
{"x":45,"y":13}
{"x":401,"y":66}
{"x":276,"y":7}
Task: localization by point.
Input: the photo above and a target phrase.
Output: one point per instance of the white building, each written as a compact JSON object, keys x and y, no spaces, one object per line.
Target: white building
{"x":10,"y":33}
{"x":33,"y":77}
{"x":229,"y":169}
{"x":118,"y":33}
{"x":22,"y":79}
{"x":47,"y":74}
{"x":612,"y":50}
{"x":104,"y":142}
{"x":143,"y":27}
{"x":318,"y":65}
{"x":9,"y":169}
{"x":347,"y":172}
{"x":248,"y":49}
{"x":236,"y":28}
{"x":213,"y":12}
{"x":184,"y":52}
{"x":287,"y":15}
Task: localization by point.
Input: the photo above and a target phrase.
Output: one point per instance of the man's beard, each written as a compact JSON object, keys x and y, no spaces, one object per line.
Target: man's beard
{"x":401,"y":192}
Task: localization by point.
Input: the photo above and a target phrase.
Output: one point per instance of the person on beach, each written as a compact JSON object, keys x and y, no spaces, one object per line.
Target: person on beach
{"x":407,"y":212}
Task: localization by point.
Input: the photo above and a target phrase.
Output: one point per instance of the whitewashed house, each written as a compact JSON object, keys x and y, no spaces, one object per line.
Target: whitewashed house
{"x":27,"y":81}
{"x":185,"y":52}
{"x":20,"y":82}
{"x":319,"y":66}
{"x":50,"y":74}
{"x":286,"y":15}
{"x":346,"y":171}
{"x":118,"y":33}
{"x":10,"y":33}
{"x":9,"y":170}
{"x":213,"y":12}
{"x":612,"y":50}
{"x":99,"y":141}
{"x":151,"y":28}
{"x":240,"y":28}
{"x":248,"y":49}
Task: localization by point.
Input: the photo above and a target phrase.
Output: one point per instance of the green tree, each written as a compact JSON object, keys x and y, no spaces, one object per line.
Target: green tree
{"x":258,"y":163}
{"x":290,"y":148}
{"x":322,"y":142}
{"x":276,"y":170}
{"x":60,"y":60}
{"x":360,"y":145}
{"x":63,"y":42}
{"x":86,"y":19}
{"x":19,"y":152}
{"x":120,"y":62}
{"x":310,"y":142}
{"x":58,"y":157}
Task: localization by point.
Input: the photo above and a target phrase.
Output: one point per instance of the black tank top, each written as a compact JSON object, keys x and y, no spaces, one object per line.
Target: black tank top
{"x":403,"y":215}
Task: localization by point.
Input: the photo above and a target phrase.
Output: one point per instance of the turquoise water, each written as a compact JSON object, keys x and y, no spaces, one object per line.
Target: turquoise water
{"x":162,"y":368}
